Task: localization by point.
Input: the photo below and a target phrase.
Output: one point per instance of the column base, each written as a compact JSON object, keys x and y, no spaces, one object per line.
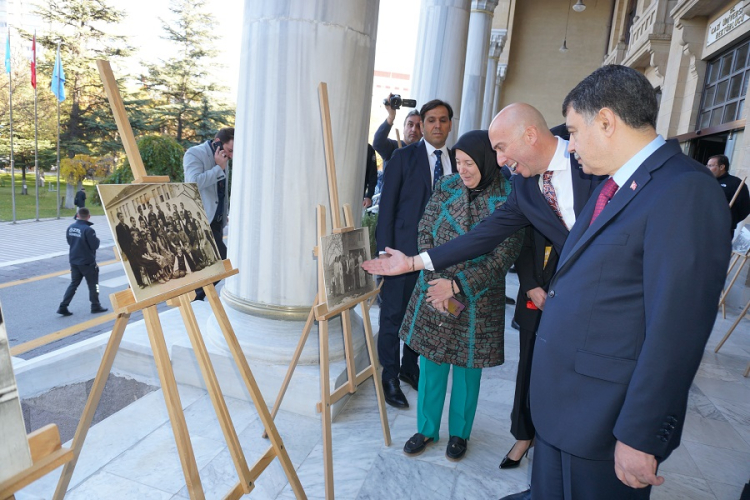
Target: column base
{"x":269,"y":345}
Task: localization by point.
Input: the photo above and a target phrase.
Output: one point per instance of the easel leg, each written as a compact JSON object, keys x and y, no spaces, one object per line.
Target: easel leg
{"x":252,"y":386}
{"x":375,"y":363}
{"x":724,"y":294}
{"x":325,"y":415}
{"x":214,"y":390}
{"x":92,"y":403}
{"x":295,"y":359}
{"x":737,"y":322}
{"x":351,"y":372}
{"x":174,"y":405}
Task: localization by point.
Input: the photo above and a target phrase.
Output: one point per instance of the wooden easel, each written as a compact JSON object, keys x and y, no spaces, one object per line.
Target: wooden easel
{"x":24,"y":458}
{"x":125,"y":304}
{"x":322,"y":314}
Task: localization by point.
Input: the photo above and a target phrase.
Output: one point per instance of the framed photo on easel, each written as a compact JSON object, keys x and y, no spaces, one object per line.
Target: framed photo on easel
{"x":162,"y":234}
{"x":343,"y":255}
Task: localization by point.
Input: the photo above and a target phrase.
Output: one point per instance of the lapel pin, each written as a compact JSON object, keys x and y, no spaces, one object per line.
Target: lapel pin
{"x":633,"y":185}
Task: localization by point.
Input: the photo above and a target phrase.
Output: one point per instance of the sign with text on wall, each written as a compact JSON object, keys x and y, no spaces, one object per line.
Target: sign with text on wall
{"x":728,"y":22}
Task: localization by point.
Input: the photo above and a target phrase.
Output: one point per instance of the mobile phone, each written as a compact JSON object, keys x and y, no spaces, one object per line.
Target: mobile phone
{"x":217,"y":146}
{"x":455,"y":307}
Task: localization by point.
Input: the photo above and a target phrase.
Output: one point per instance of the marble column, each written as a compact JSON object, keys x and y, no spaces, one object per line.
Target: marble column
{"x":475,"y":70}
{"x":497,"y":42}
{"x":279,"y":171}
{"x":502,"y":70}
{"x":441,"y":53}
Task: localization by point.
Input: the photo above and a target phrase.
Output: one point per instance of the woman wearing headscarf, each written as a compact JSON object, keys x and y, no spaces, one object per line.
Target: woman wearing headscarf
{"x":474,"y":339}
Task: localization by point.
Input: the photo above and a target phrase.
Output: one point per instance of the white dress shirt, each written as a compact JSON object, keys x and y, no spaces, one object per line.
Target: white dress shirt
{"x":445,"y":160}
{"x":562,"y":182}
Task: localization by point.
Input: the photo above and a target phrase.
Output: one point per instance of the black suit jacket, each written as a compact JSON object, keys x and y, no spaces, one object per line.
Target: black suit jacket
{"x":526,"y":206}
{"x":406,"y":189}
{"x":629,"y":312}
{"x":532,"y":273}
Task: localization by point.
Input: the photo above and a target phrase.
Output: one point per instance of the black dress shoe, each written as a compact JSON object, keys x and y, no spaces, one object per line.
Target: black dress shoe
{"x":64,"y":311}
{"x":417,"y":444}
{"x":412,"y":380}
{"x":524,"y":495}
{"x":509,"y":301}
{"x":456,"y":449}
{"x":509,"y":463}
{"x":394,"y":396}
{"x":98,"y":309}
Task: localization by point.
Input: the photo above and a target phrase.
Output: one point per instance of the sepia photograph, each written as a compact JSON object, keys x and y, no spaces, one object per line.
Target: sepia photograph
{"x":162,"y":234}
{"x":343,"y":276}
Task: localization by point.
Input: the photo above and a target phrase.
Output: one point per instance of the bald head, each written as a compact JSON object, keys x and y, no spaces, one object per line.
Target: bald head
{"x":521,"y":137}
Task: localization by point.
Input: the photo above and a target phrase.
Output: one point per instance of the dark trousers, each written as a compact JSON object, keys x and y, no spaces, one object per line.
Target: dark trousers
{"x":78,"y":273}
{"x":395,"y":296}
{"x":521,"y":425}
{"x":561,"y":476}
{"x":218,"y":233}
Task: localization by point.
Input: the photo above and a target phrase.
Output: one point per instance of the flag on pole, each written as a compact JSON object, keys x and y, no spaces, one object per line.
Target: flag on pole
{"x":33,"y":62}
{"x":58,"y":78}
{"x":7,"y":53}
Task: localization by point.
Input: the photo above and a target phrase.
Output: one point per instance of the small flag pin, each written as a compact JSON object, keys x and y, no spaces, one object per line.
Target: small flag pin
{"x":633,"y":185}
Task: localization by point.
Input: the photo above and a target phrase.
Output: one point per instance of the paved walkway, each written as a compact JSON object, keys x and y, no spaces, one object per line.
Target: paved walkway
{"x":29,"y":240}
{"x":132,"y":453}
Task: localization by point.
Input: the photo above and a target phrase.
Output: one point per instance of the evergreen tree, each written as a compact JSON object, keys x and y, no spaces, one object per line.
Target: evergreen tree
{"x":83,"y":29}
{"x":184,"y":85}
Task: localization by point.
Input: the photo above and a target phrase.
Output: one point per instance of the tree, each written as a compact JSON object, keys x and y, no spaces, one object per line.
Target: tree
{"x":184,"y":86}
{"x":74,"y":171}
{"x":161,"y":155}
{"x":80,"y":26}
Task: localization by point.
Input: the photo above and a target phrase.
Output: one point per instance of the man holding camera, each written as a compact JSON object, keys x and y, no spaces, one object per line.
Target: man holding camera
{"x":206,"y":164}
{"x":412,"y":128}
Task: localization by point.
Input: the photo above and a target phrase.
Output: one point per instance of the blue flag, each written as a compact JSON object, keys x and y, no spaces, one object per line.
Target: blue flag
{"x":7,"y":53}
{"x":58,"y":78}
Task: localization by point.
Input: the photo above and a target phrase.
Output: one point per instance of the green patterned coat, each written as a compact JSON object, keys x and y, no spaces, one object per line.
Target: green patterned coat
{"x":476,"y":338}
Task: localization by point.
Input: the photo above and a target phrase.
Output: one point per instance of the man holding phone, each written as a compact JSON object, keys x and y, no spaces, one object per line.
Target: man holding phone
{"x":206,"y":164}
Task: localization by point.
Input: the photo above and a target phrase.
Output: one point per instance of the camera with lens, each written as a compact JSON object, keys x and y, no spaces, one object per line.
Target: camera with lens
{"x":395,"y":102}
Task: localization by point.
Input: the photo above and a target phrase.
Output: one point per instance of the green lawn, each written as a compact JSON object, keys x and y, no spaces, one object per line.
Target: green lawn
{"x":26,"y":205}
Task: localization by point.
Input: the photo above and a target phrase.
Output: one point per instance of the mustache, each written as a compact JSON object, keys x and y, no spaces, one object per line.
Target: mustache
{"x":577,"y":156}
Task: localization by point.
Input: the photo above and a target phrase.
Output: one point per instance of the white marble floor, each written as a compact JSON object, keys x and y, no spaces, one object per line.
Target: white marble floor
{"x":132,"y":454}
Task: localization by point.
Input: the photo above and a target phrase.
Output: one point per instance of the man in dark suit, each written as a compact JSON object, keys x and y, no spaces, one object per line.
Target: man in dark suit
{"x":125,"y":240}
{"x":632,"y":304}
{"x":407,"y":185}
{"x":412,"y":132}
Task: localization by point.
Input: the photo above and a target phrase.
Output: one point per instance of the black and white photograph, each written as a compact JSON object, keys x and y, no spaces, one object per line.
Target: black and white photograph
{"x":343,"y":276}
{"x":162,"y":234}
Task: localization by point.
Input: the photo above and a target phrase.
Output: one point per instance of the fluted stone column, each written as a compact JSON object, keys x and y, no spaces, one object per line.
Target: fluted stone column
{"x":441,"y":52}
{"x":475,"y":70}
{"x":502,"y":70}
{"x":497,"y":42}
{"x":279,"y":176}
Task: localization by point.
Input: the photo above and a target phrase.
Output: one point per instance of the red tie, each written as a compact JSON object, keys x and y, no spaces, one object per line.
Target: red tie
{"x":606,"y":194}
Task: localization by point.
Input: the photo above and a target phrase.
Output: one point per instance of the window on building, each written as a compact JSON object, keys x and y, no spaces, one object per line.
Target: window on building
{"x":727,"y":76}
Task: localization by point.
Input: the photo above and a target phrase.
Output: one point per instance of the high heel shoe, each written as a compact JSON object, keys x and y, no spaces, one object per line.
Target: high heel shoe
{"x":509,"y":463}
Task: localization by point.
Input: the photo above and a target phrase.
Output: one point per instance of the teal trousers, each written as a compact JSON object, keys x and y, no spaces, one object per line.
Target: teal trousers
{"x":433,"y":385}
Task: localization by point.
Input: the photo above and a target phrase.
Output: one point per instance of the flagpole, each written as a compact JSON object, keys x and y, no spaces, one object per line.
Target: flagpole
{"x":59,"y":84}
{"x":36,"y":137}
{"x":12,"y":161}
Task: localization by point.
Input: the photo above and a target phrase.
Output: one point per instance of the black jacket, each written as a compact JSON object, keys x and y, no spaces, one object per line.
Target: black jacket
{"x":83,"y":243}
{"x":741,"y":207}
{"x":80,"y":199}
